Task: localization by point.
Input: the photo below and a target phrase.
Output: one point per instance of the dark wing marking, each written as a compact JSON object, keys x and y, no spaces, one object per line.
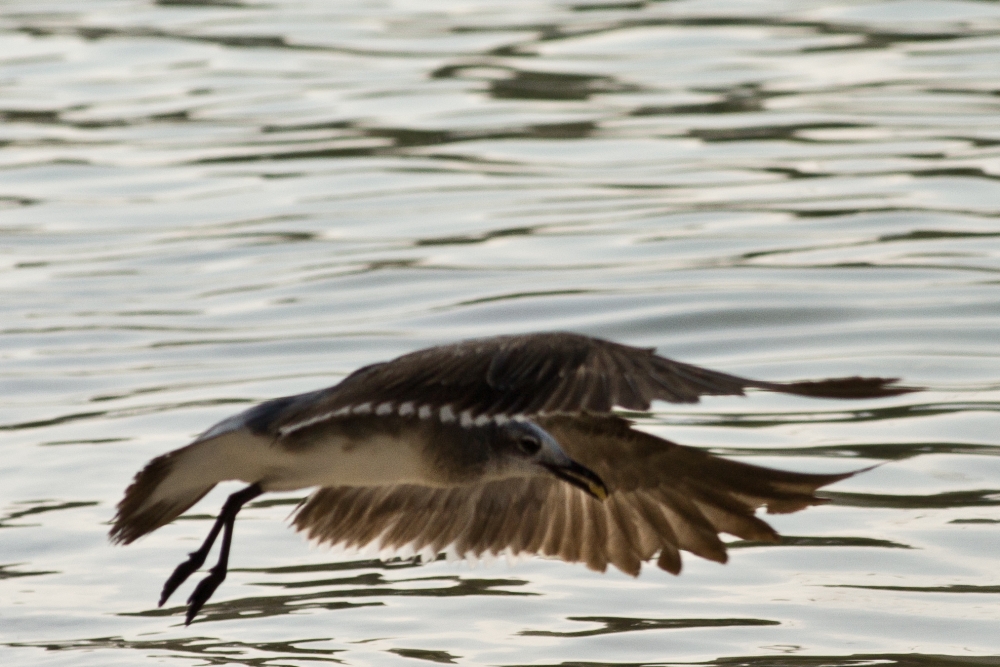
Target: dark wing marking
{"x":663,"y":497}
{"x":545,"y":373}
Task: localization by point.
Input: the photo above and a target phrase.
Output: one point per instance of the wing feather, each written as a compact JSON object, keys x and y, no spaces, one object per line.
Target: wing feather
{"x":623,"y":542}
{"x":574,"y":534}
{"x":546,"y":516}
{"x":537,"y":374}
{"x":593,"y":548}
{"x":694,"y":532}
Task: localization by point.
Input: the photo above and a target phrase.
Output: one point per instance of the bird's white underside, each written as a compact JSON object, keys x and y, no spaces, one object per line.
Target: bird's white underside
{"x":330,"y":461}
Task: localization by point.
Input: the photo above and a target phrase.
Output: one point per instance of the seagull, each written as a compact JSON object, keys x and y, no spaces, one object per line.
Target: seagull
{"x":508,"y":444}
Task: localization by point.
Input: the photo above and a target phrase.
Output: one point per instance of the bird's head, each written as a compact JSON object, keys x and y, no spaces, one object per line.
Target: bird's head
{"x":525,"y":447}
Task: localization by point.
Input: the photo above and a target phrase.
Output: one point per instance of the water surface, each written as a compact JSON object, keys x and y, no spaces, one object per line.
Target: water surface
{"x":204,"y":204}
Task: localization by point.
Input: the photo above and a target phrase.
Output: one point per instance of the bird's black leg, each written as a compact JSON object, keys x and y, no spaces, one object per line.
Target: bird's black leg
{"x":195,"y":560}
{"x":207,"y":586}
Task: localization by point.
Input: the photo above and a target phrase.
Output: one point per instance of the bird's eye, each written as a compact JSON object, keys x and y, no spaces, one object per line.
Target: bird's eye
{"x":529,"y":445}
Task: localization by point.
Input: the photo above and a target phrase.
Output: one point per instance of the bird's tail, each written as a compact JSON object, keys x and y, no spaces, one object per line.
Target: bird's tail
{"x":156,"y":496}
{"x":172,"y":483}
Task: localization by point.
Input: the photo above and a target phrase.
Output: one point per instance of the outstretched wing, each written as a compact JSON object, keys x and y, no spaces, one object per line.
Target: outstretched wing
{"x":538,"y":374}
{"x":663,"y":497}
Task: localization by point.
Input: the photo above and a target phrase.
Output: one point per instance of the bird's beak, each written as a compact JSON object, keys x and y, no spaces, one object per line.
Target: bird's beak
{"x":580,"y":477}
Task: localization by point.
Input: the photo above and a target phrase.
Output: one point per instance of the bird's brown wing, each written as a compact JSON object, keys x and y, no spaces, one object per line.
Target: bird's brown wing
{"x":539,"y":374}
{"x":663,"y":498}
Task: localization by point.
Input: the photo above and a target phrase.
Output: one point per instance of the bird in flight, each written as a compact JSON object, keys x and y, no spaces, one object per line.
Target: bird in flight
{"x":502,"y":444}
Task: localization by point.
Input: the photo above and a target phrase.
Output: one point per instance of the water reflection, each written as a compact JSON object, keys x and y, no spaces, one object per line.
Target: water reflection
{"x":512,"y":83}
{"x":33,"y":507}
{"x":338,"y":592}
{"x":798,"y":660}
{"x":210,"y":650}
{"x":612,"y":625}
{"x":8,"y":572}
{"x":879,"y":451}
{"x":950,"y":499}
{"x":442,"y":657}
{"x":826,"y":541}
{"x":364,"y":141}
{"x":252,"y":607}
{"x":208,"y":203}
{"x":953,"y":588}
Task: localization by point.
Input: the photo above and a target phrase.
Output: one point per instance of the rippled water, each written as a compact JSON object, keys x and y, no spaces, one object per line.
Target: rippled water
{"x":206,"y":203}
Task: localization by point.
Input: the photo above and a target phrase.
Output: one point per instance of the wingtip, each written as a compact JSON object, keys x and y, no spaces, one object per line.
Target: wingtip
{"x":854,"y":387}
